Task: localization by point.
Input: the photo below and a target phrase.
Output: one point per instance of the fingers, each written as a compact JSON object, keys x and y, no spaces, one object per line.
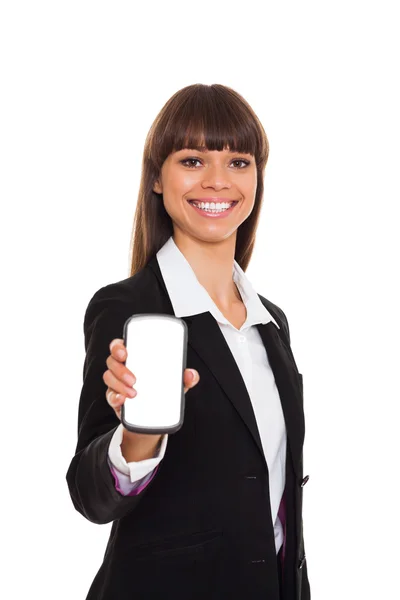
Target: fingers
{"x":120,"y":371}
{"x":118,"y":377}
{"x":115,"y":401}
{"x":117,"y":385}
{"x":117,"y":349}
{"x":115,"y":362}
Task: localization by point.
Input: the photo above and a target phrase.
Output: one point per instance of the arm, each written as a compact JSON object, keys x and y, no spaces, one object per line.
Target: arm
{"x":90,"y":481}
{"x":132,"y":477}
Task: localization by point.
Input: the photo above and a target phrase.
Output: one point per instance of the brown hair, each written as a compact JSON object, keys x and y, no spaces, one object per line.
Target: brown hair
{"x":214,"y":115}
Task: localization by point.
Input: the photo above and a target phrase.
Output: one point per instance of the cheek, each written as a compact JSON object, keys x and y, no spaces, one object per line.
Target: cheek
{"x":176,"y":187}
{"x":249,"y":186}
{"x":180,"y":183}
{"x":187,"y":179}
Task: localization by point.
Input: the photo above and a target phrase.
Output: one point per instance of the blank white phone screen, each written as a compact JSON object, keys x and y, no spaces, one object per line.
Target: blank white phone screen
{"x":155,"y":346}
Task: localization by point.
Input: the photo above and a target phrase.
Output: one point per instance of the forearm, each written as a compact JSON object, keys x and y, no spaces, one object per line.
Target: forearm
{"x":136,"y":446}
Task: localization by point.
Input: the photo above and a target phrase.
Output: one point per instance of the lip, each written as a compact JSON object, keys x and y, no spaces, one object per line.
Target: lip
{"x":212,"y":200}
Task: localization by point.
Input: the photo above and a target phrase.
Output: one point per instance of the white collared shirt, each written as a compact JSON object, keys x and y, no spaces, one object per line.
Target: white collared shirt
{"x":252,"y":360}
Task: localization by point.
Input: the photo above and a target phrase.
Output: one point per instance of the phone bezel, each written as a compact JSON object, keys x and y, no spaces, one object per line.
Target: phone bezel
{"x":174,"y":428}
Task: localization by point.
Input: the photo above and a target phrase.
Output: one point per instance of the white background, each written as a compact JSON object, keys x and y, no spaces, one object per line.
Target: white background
{"x":81,"y":83}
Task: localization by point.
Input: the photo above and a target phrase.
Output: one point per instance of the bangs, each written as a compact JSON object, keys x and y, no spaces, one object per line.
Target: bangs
{"x":205,"y":117}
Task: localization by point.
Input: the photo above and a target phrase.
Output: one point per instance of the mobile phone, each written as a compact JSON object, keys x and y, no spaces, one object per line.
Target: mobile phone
{"x":156,"y":347}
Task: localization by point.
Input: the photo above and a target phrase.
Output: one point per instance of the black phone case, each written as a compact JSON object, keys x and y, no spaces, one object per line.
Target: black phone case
{"x":175,"y":428}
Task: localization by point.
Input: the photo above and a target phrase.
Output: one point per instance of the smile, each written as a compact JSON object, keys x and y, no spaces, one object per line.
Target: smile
{"x":213,"y":209}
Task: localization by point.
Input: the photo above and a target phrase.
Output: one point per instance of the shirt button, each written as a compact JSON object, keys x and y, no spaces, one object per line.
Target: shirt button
{"x":303,"y":560}
{"x":304,"y":481}
{"x":242,"y":338}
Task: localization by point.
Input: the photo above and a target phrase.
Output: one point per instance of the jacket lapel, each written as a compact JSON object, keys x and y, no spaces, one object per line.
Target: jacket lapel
{"x":207,"y":340}
{"x":287,"y":379}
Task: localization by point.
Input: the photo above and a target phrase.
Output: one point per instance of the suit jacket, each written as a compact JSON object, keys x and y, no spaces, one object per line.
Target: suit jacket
{"x":202,"y":528}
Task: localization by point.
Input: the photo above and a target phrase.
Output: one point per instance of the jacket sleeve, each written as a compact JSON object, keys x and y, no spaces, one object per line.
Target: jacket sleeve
{"x":89,"y":478}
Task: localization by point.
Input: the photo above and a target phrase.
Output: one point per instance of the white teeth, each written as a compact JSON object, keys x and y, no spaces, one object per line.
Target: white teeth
{"x":213,"y":205}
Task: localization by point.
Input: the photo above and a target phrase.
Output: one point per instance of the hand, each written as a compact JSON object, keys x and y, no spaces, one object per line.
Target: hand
{"x":120,"y":379}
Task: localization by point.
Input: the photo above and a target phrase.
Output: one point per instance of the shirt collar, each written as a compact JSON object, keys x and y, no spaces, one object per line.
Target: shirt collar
{"x":188,"y":297}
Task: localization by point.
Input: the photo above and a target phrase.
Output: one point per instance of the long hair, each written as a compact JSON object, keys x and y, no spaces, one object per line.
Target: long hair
{"x":212,"y":114}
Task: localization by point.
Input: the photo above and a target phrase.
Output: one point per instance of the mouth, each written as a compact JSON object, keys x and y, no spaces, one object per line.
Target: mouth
{"x":213,"y":208}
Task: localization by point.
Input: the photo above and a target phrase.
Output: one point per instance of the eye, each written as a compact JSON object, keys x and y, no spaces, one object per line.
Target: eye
{"x":241,"y":160}
{"x":185,"y":162}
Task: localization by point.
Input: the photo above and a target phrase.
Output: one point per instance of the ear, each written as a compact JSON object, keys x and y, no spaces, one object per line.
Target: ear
{"x":157,"y":188}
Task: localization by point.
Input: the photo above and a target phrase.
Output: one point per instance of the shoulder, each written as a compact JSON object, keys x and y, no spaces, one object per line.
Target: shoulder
{"x":278,"y":315}
{"x":121,"y":298}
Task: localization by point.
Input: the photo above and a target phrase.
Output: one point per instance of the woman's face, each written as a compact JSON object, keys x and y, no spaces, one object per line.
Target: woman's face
{"x":208,"y":176}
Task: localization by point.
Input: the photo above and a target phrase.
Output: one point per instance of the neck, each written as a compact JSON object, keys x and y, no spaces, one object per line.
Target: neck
{"x":212,"y":263}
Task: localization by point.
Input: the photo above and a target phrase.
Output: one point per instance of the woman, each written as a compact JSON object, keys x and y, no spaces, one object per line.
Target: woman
{"x":214,"y":510}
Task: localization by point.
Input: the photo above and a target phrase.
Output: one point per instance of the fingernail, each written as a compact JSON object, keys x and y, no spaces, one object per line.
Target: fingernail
{"x":194,"y":374}
{"x":120,"y":353}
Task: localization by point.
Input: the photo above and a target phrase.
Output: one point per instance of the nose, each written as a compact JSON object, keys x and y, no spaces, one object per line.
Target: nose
{"x":216,"y":177}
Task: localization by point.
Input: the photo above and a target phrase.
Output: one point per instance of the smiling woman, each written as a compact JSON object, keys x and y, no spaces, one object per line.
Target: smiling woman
{"x":213,"y":510}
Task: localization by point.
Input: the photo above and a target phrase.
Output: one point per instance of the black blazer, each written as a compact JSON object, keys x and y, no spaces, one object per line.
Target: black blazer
{"x":202,"y":528}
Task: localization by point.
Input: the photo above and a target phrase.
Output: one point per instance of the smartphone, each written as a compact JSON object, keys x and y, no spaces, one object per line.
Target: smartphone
{"x":156,"y":347}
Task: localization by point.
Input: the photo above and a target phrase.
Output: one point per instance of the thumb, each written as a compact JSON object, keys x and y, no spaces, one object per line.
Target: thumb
{"x":191,"y":377}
